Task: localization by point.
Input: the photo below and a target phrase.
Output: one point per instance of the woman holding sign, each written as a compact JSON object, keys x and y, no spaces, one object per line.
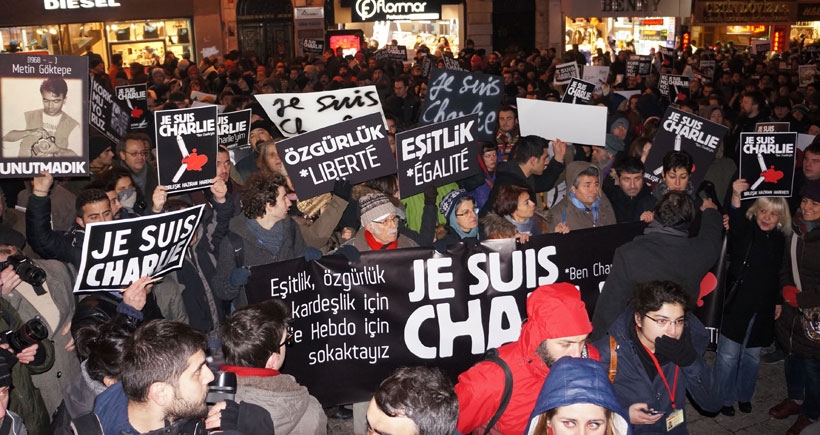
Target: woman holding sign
{"x":757,"y":236}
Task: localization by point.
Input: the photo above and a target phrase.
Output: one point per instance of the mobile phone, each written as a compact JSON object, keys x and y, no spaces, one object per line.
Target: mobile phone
{"x":652,"y":411}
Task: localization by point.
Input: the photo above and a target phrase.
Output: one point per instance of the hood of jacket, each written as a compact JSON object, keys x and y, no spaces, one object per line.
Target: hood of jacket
{"x":576,"y":167}
{"x":578,"y":380}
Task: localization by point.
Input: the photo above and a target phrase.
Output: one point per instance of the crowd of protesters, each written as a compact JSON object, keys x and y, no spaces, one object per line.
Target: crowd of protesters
{"x":135,"y":362}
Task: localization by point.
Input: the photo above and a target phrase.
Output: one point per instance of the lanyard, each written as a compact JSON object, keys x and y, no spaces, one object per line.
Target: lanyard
{"x":663,"y":377}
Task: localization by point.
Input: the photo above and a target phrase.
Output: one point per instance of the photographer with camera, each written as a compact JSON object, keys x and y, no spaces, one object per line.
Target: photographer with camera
{"x":41,"y":289}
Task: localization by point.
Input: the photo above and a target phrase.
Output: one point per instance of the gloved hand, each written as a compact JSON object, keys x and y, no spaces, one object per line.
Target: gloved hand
{"x":245,"y":418}
{"x":312,"y":254}
{"x":790,"y":295}
{"x":681,"y":352}
{"x":239,"y":276}
{"x":440,"y":246}
{"x":342,"y":189}
{"x":430,"y":194}
{"x":350,"y":252}
{"x":470,"y":242}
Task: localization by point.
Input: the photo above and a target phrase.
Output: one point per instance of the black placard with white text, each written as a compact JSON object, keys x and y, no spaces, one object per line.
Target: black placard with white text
{"x":106,"y":114}
{"x":44,"y":130}
{"x":314,"y":46}
{"x":119,"y":252}
{"x":675,"y":88}
{"x":767,"y":163}
{"x":396,"y":52}
{"x":637,"y":65}
{"x":356,"y":150}
{"x":234,"y":128}
{"x":452,"y":94}
{"x":772,"y":127}
{"x":565,"y":72}
{"x":186,"y":147}
{"x":437,"y":154}
{"x":134,"y":99}
{"x":578,"y":92}
{"x":682,"y":131}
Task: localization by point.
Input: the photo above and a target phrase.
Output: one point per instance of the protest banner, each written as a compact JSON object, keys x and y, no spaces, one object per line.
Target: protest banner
{"x":134,"y":99}
{"x":674,"y":88}
{"x":44,"y":130}
{"x":106,"y":114}
{"x":682,"y":131}
{"x":451,"y":63}
{"x":298,"y":113}
{"x":234,"y":129}
{"x":437,"y":154}
{"x":313,"y":46}
{"x":186,"y":147}
{"x":117,"y":253}
{"x":597,"y":75}
{"x":761,"y":46}
{"x":563,"y":121}
{"x":396,"y":52}
{"x":452,"y":94}
{"x":767,"y":163}
{"x":772,"y":127}
{"x":637,"y":65}
{"x":668,"y":56}
{"x":707,"y":68}
{"x":807,"y":74}
{"x":578,"y":92}
{"x":356,"y":150}
{"x":565,"y":72}
{"x":353,"y":324}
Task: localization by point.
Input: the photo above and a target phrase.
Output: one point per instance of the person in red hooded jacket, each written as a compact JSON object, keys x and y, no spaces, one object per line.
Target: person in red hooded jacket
{"x":557,"y":325}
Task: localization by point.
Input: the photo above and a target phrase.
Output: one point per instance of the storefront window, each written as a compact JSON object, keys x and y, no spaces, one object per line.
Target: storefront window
{"x":147,"y":41}
{"x":31,"y":39}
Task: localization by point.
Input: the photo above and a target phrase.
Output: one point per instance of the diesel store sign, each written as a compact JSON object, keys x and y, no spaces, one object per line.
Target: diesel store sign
{"x":77,"y":4}
{"x":381,"y":10}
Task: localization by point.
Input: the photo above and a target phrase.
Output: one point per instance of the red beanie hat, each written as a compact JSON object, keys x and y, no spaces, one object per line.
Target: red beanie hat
{"x":554,"y":311}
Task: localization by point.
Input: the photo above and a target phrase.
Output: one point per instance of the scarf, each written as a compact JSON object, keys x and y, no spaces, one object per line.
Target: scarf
{"x":522,"y":227}
{"x":581,"y":206}
{"x":802,"y":226}
{"x":662,"y":189}
{"x":376,"y":245}
{"x":461,"y":234}
{"x":269,"y":239}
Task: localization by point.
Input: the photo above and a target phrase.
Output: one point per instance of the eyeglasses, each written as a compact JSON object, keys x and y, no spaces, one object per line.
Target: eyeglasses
{"x":288,"y":339}
{"x":137,"y":153}
{"x":663,"y":323}
{"x":468,"y":212}
{"x":394,"y":220}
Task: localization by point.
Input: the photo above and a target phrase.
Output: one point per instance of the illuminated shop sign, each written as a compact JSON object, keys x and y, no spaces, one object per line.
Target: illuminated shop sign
{"x":715,"y":12}
{"x":653,"y":22}
{"x":51,"y":5}
{"x":381,"y":10}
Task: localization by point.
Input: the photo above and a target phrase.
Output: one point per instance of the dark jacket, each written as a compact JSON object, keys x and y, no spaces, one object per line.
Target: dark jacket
{"x":660,"y":254}
{"x":632,"y":384}
{"x":111,"y":408}
{"x":510,"y":173}
{"x":47,"y":243}
{"x":628,"y":208}
{"x":759,"y":288}
{"x":575,"y":218}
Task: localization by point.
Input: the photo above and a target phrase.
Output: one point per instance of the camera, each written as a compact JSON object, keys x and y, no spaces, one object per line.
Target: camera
{"x":32,"y":332}
{"x":222,"y":388}
{"x":23,"y":266}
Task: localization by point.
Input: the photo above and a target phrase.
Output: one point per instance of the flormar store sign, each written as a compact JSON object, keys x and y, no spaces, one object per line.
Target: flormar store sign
{"x":735,"y":12}
{"x":51,"y":5}
{"x":380,"y":10}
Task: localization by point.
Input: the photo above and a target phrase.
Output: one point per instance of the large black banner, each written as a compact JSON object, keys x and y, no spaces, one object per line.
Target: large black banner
{"x":437,"y":154}
{"x":355,"y":323}
{"x":186,"y":147}
{"x":44,"y":115}
{"x":578,"y":92}
{"x":451,"y":94}
{"x":117,"y":253}
{"x":356,"y":150}
{"x":135,"y":99}
{"x":767,"y":163}
{"x":684,"y":131}
{"x":106,"y":114}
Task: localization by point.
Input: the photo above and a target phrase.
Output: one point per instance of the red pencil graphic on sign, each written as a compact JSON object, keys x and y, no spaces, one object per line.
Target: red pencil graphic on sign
{"x":190,"y":161}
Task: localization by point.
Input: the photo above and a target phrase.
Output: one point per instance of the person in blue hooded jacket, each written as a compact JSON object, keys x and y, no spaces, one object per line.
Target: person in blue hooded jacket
{"x":659,"y":346}
{"x":577,"y":395}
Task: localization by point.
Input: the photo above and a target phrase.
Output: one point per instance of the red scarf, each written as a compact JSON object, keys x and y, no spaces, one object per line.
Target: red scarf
{"x":376,"y":245}
{"x":249,"y":371}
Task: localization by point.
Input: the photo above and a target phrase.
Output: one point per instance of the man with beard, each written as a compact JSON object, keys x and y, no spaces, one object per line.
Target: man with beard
{"x":557,"y":325}
{"x":163,"y":386}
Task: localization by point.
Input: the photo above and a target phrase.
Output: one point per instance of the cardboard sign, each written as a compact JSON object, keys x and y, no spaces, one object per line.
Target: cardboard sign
{"x":313,"y":46}
{"x":119,"y":252}
{"x":134,"y":98}
{"x":565,"y":72}
{"x":356,"y":150}
{"x":437,"y":154}
{"x":234,"y":129}
{"x":767,"y":163}
{"x":578,"y":92}
{"x":552,"y":120}
{"x":807,"y":74}
{"x":682,"y":131}
{"x":597,"y":75}
{"x":674,"y":88}
{"x":186,"y":147}
{"x":453,"y":94}
{"x":772,"y":127}
{"x":106,"y":114}
{"x":44,"y":131}
{"x":396,"y":52}
{"x":298,"y":113}
{"x":707,"y":68}
{"x":637,"y":65}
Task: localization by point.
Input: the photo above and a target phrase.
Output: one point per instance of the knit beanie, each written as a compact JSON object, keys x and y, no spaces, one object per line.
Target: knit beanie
{"x":614,"y":144}
{"x":811,"y":191}
{"x":96,"y":146}
{"x":450,"y":201}
{"x":375,"y":206}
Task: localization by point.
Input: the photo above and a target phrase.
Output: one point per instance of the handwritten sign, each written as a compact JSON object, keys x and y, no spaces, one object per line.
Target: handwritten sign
{"x":453,"y":94}
{"x":767,"y":163}
{"x":437,"y":153}
{"x":299,"y":113}
{"x":186,"y":147}
{"x":356,"y":150}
